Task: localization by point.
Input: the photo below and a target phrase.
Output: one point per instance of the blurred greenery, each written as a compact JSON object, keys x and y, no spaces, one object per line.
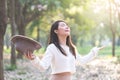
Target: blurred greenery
{"x":104,"y":52}
{"x":88,"y":20}
{"x":82,"y":50}
{"x":10,"y":67}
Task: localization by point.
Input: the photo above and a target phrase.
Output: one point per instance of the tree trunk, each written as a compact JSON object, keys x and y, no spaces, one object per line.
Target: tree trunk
{"x":113,"y":44}
{"x":112,"y":30}
{"x":3,"y":22}
{"x":13,"y":31}
{"x":1,"y":55}
{"x":38,"y":34}
{"x":118,"y":41}
{"x":118,"y":13}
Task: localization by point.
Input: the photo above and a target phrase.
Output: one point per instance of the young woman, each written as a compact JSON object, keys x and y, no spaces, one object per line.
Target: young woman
{"x":61,"y":53}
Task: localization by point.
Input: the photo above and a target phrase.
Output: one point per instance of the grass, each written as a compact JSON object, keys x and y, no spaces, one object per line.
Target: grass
{"x":10,"y":67}
{"x":106,"y":51}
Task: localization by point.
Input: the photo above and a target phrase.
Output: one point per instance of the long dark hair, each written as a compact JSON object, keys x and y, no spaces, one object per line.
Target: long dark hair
{"x":53,"y":38}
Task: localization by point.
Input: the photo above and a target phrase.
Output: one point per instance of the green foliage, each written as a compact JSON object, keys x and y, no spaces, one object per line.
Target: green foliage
{"x":84,"y":50}
{"x":31,"y":2}
{"x":21,"y":72}
{"x":10,"y":67}
{"x":6,"y":50}
{"x":74,"y":12}
{"x":40,"y":51}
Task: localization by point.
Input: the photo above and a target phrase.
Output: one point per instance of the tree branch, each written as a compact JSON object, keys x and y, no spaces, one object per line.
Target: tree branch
{"x":33,"y":16}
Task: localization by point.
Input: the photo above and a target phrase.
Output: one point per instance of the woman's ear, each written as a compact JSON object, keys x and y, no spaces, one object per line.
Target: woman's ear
{"x":55,"y":31}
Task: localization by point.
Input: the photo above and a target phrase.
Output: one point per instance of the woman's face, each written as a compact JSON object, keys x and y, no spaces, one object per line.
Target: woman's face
{"x":63,"y":29}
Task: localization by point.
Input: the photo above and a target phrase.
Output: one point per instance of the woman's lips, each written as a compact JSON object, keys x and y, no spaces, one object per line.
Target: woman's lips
{"x":67,"y":30}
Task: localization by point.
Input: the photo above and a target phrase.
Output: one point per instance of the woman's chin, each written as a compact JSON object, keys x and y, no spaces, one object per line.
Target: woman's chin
{"x":67,"y":34}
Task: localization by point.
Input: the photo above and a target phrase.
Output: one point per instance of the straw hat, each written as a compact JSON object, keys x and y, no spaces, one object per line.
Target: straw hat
{"x":23,"y":43}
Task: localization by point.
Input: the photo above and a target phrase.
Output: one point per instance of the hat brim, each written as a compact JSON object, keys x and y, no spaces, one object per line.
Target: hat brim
{"x":23,"y":43}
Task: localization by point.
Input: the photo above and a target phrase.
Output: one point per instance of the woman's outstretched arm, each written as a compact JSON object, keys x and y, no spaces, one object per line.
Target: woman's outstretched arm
{"x":90,"y":56}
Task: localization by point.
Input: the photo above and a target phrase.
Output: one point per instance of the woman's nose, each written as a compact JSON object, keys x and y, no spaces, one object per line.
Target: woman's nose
{"x":67,"y":27}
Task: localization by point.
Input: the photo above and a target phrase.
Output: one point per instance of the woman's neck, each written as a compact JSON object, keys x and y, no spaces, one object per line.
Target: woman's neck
{"x":62,"y":40}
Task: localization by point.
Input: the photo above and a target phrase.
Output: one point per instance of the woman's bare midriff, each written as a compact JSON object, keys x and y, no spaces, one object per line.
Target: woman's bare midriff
{"x":61,"y":76}
{"x":64,"y":73}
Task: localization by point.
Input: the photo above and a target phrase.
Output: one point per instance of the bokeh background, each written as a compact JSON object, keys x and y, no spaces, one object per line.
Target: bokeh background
{"x":92,"y":23}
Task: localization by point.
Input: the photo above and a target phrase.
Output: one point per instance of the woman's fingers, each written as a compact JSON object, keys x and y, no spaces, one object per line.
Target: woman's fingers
{"x":28,"y":54}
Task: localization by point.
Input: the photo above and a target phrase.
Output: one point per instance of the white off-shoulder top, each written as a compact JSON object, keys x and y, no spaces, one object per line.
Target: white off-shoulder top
{"x":60,"y":63}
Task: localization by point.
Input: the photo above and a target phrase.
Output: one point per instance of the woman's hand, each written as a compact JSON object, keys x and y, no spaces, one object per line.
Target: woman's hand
{"x":29,"y":55}
{"x":95,"y":50}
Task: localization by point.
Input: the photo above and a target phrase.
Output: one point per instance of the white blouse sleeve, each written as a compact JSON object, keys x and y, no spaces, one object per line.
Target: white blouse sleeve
{"x":45,"y":62}
{"x":84,"y":59}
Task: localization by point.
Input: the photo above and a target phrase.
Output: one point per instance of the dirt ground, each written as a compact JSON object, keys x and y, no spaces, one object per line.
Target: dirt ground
{"x":101,"y":68}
